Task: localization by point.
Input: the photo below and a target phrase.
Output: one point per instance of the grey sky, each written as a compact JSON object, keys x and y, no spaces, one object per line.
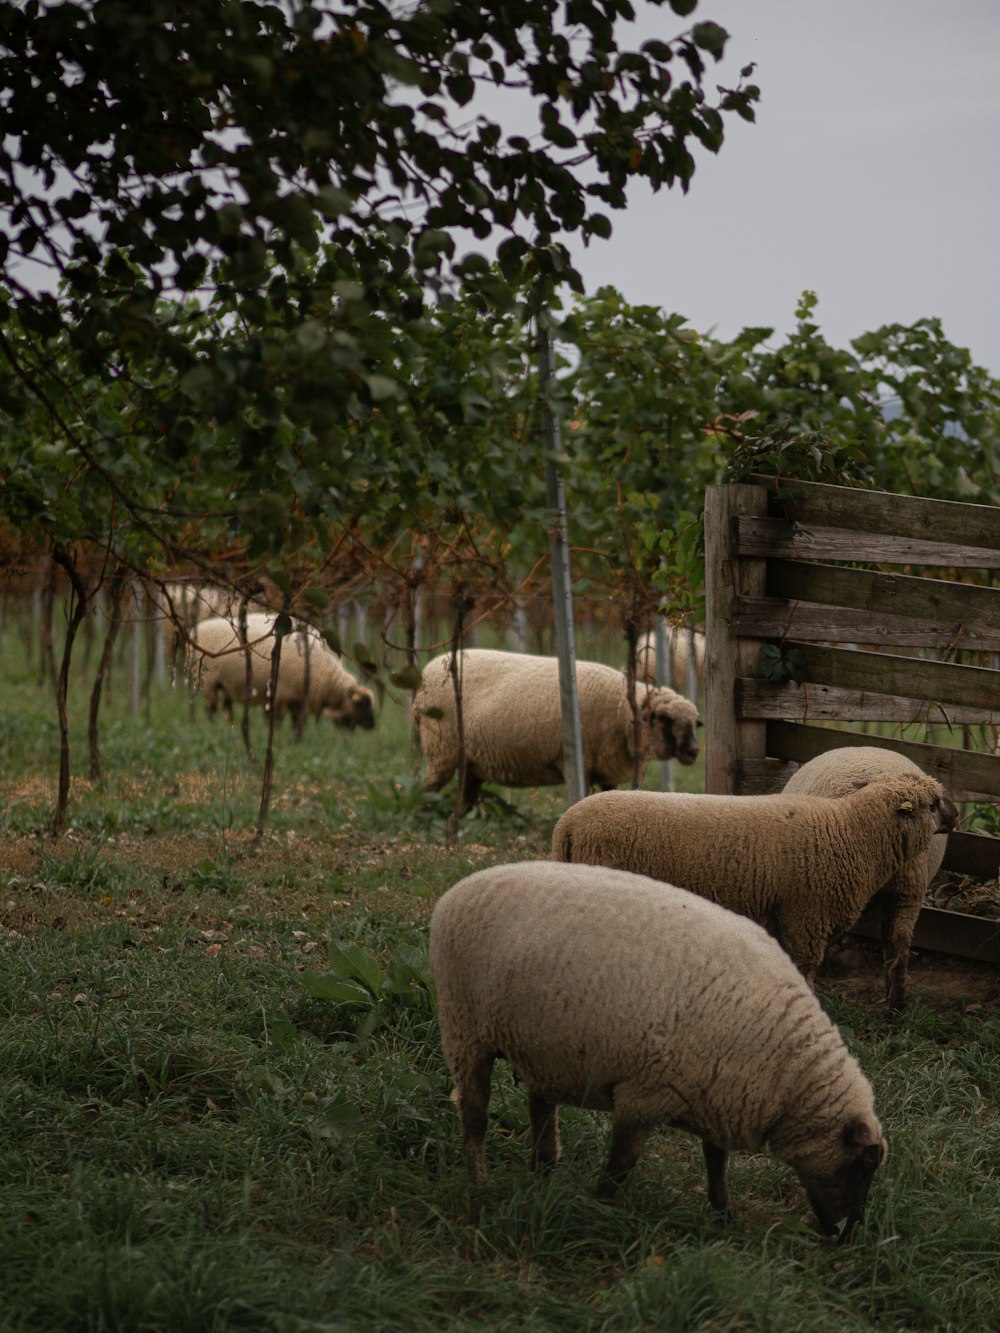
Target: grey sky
{"x":872,"y":176}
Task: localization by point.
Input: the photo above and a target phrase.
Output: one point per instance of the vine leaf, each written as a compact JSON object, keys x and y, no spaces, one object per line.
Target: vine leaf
{"x":781,"y":664}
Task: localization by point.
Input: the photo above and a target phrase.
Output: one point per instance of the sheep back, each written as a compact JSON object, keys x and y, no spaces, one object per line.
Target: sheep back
{"x":612,"y":991}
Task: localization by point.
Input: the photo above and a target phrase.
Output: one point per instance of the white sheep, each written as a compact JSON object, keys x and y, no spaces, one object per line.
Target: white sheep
{"x":182,"y":606}
{"x":512,"y":722}
{"x":678,"y":645}
{"x":218,"y":663}
{"x":836,"y":773}
{"x":805,"y":867}
{"x":617,"y":993}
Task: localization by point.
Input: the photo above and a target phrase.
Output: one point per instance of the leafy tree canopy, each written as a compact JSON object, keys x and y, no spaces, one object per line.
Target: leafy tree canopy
{"x":149,"y":149}
{"x":243,"y":208}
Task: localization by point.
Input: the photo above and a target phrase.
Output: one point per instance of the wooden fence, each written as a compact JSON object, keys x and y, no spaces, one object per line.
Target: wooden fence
{"x":781,"y":565}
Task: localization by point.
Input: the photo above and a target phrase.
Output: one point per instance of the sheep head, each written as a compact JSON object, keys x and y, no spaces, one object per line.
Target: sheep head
{"x":673,"y":723}
{"x":837,"y":1174}
{"x":357,"y":709}
{"x":918,"y":804}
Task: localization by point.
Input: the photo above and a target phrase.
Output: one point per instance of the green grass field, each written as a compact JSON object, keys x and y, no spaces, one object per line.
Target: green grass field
{"x":225,"y":1104}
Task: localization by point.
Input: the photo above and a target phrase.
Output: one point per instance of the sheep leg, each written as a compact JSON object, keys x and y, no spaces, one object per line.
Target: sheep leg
{"x":473,"y":1104}
{"x":801,"y":946}
{"x":628,"y":1138}
{"x":718,"y":1190}
{"x":470,"y":787}
{"x":899,"y":918}
{"x":544,"y":1116}
{"x":435,"y":778}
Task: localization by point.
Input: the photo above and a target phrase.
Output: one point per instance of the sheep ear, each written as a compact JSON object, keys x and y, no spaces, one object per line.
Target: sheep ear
{"x":861,"y":1134}
{"x":858,"y":783}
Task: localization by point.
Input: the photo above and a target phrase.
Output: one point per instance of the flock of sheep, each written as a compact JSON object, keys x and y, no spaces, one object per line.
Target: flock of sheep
{"x":660,"y":965}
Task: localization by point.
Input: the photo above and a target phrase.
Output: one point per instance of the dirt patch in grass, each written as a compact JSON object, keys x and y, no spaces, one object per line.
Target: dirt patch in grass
{"x":288,"y":875}
{"x":946,"y":984}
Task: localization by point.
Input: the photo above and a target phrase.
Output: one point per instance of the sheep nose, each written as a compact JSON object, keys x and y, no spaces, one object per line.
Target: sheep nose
{"x":947,"y":816}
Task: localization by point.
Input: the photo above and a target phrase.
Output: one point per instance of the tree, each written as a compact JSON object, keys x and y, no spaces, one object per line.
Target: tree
{"x":301,"y":167}
{"x":244,"y":209}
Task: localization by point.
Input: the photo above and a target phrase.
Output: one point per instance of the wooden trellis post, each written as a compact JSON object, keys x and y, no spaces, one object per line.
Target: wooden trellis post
{"x":730,"y":743}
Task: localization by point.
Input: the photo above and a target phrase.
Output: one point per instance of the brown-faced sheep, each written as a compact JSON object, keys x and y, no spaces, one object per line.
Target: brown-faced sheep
{"x":613,"y":992}
{"x":838,"y":772}
{"x":218,"y":664}
{"x":512,"y":722}
{"x":805,"y":867}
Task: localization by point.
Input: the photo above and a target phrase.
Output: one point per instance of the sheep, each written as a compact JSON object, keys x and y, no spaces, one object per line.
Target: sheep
{"x":184,"y":605}
{"x":218,"y":664}
{"x":837,"y":772}
{"x":804,"y":867}
{"x":678,"y":645}
{"x":618,"y":993}
{"x":512,"y":722}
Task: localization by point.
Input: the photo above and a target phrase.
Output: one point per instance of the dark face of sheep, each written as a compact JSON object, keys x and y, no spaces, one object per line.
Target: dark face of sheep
{"x":946,"y":815}
{"x":674,"y":736}
{"x":358,"y":711}
{"x":840,"y":1195}
{"x":925,"y":805}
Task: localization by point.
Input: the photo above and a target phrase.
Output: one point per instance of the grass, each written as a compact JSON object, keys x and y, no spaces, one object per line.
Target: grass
{"x":226,"y":1105}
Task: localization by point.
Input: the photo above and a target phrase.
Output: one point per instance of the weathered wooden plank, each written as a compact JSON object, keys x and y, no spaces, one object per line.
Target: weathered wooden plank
{"x":809,"y":502}
{"x":911,"y":677}
{"x":728,"y":742}
{"x":769,"y":700}
{"x":779,"y":618}
{"x":975,"y":854}
{"x":766,"y":537}
{"x":901,"y":594}
{"x":764,"y":777}
{"x":966,"y":775}
{"x":954,"y":933}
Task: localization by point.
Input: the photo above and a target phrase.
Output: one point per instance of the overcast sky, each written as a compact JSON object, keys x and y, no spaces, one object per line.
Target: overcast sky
{"x":871,"y":176}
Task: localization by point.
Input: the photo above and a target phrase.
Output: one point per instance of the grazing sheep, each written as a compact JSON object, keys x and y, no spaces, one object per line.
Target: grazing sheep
{"x":678,"y":657}
{"x":838,"y":772}
{"x":512,"y":722}
{"x":185,"y":605}
{"x":618,"y":993}
{"x":217,"y":663}
{"x":805,"y":867}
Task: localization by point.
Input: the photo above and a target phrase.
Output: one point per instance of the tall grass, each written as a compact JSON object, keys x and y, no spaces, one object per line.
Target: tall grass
{"x":225,"y":1103}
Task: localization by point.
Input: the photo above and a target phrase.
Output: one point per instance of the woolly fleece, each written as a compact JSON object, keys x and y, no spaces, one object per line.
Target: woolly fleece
{"x":333,"y":691}
{"x":803,"y":866}
{"x":616,"y":992}
{"x":837,"y":772}
{"x":512,"y":721}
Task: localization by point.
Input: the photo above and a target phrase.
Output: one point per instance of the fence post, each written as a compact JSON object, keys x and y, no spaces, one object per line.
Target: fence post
{"x":562,"y":585}
{"x":729,"y":742}
{"x":662,"y":642}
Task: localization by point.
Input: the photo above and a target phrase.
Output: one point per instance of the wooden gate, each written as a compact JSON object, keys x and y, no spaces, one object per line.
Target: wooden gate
{"x":781,"y":569}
